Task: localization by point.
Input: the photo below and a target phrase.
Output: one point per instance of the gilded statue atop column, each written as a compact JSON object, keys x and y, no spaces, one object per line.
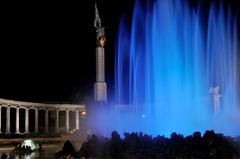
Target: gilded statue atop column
{"x":101,"y":39}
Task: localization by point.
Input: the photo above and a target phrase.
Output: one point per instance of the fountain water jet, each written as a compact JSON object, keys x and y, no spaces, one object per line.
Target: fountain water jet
{"x":166,"y":63}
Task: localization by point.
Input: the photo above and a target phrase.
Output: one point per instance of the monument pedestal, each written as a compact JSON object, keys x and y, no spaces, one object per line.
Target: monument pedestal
{"x":100,"y":86}
{"x":100,"y":91}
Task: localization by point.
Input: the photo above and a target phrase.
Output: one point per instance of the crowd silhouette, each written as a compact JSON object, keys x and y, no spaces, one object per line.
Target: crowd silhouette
{"x":141,"y":146}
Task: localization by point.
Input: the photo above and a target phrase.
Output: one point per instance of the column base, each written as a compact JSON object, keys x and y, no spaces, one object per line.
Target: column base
{"x":100,"y":91}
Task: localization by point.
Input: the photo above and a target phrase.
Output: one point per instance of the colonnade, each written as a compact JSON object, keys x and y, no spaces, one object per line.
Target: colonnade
{"x":8,"y":104}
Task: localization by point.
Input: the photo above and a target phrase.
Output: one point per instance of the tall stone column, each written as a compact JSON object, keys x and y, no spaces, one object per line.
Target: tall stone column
{"x":36,"y":121}
{"x":17,"y":121}
{"x":100,"y":86}
{"x":0,"y":119}
{"x":26,"y":120}
{"x":8,"y":121}
{"x":46,"y":121}
{"x":77,"y":120}
{"x":57,"y":121}
{"x":67,"y":120}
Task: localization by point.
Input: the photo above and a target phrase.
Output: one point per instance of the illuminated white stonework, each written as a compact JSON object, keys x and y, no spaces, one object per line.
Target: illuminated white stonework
{"x":30,"y":143}
{"x":100,"y":91}
{"x":216,"y":98}
{"x":100,"y":87}
{"x":11,"y":104}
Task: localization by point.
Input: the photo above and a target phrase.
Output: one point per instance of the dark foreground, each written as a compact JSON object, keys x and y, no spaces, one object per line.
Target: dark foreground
{"x":48,"y":152}
{"x":138,"y":146}
{"x":50,"y":145}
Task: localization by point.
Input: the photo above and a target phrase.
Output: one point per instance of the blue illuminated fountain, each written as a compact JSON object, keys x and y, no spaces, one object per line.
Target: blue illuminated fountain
{"x":167,"y":60}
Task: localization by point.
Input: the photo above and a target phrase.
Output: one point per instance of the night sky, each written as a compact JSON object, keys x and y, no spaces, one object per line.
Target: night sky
{"x":48,"y":47}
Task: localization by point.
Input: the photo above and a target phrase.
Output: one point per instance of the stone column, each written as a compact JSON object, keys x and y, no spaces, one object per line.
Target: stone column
{"x":67,"y":120}
{"x":17,"y":121}
{"x":57,"y":121}
{"x":26,"y":120}
{"x":77,"y":120}
{"x":36,"y":121}
{"x":0,"y":119}
{"x":8,"y":121}
{"x":46,"y":121}
{"x":100,"y":86}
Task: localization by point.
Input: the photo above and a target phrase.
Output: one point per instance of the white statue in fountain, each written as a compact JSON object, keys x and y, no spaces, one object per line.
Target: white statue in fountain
{"x":216,"y":98}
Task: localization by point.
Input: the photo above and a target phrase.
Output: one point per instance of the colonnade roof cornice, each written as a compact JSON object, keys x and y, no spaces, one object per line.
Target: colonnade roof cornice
{"x":44,"y":106}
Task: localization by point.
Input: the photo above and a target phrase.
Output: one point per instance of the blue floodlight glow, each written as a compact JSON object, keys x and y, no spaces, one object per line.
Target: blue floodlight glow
{"x":166,"y":61}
